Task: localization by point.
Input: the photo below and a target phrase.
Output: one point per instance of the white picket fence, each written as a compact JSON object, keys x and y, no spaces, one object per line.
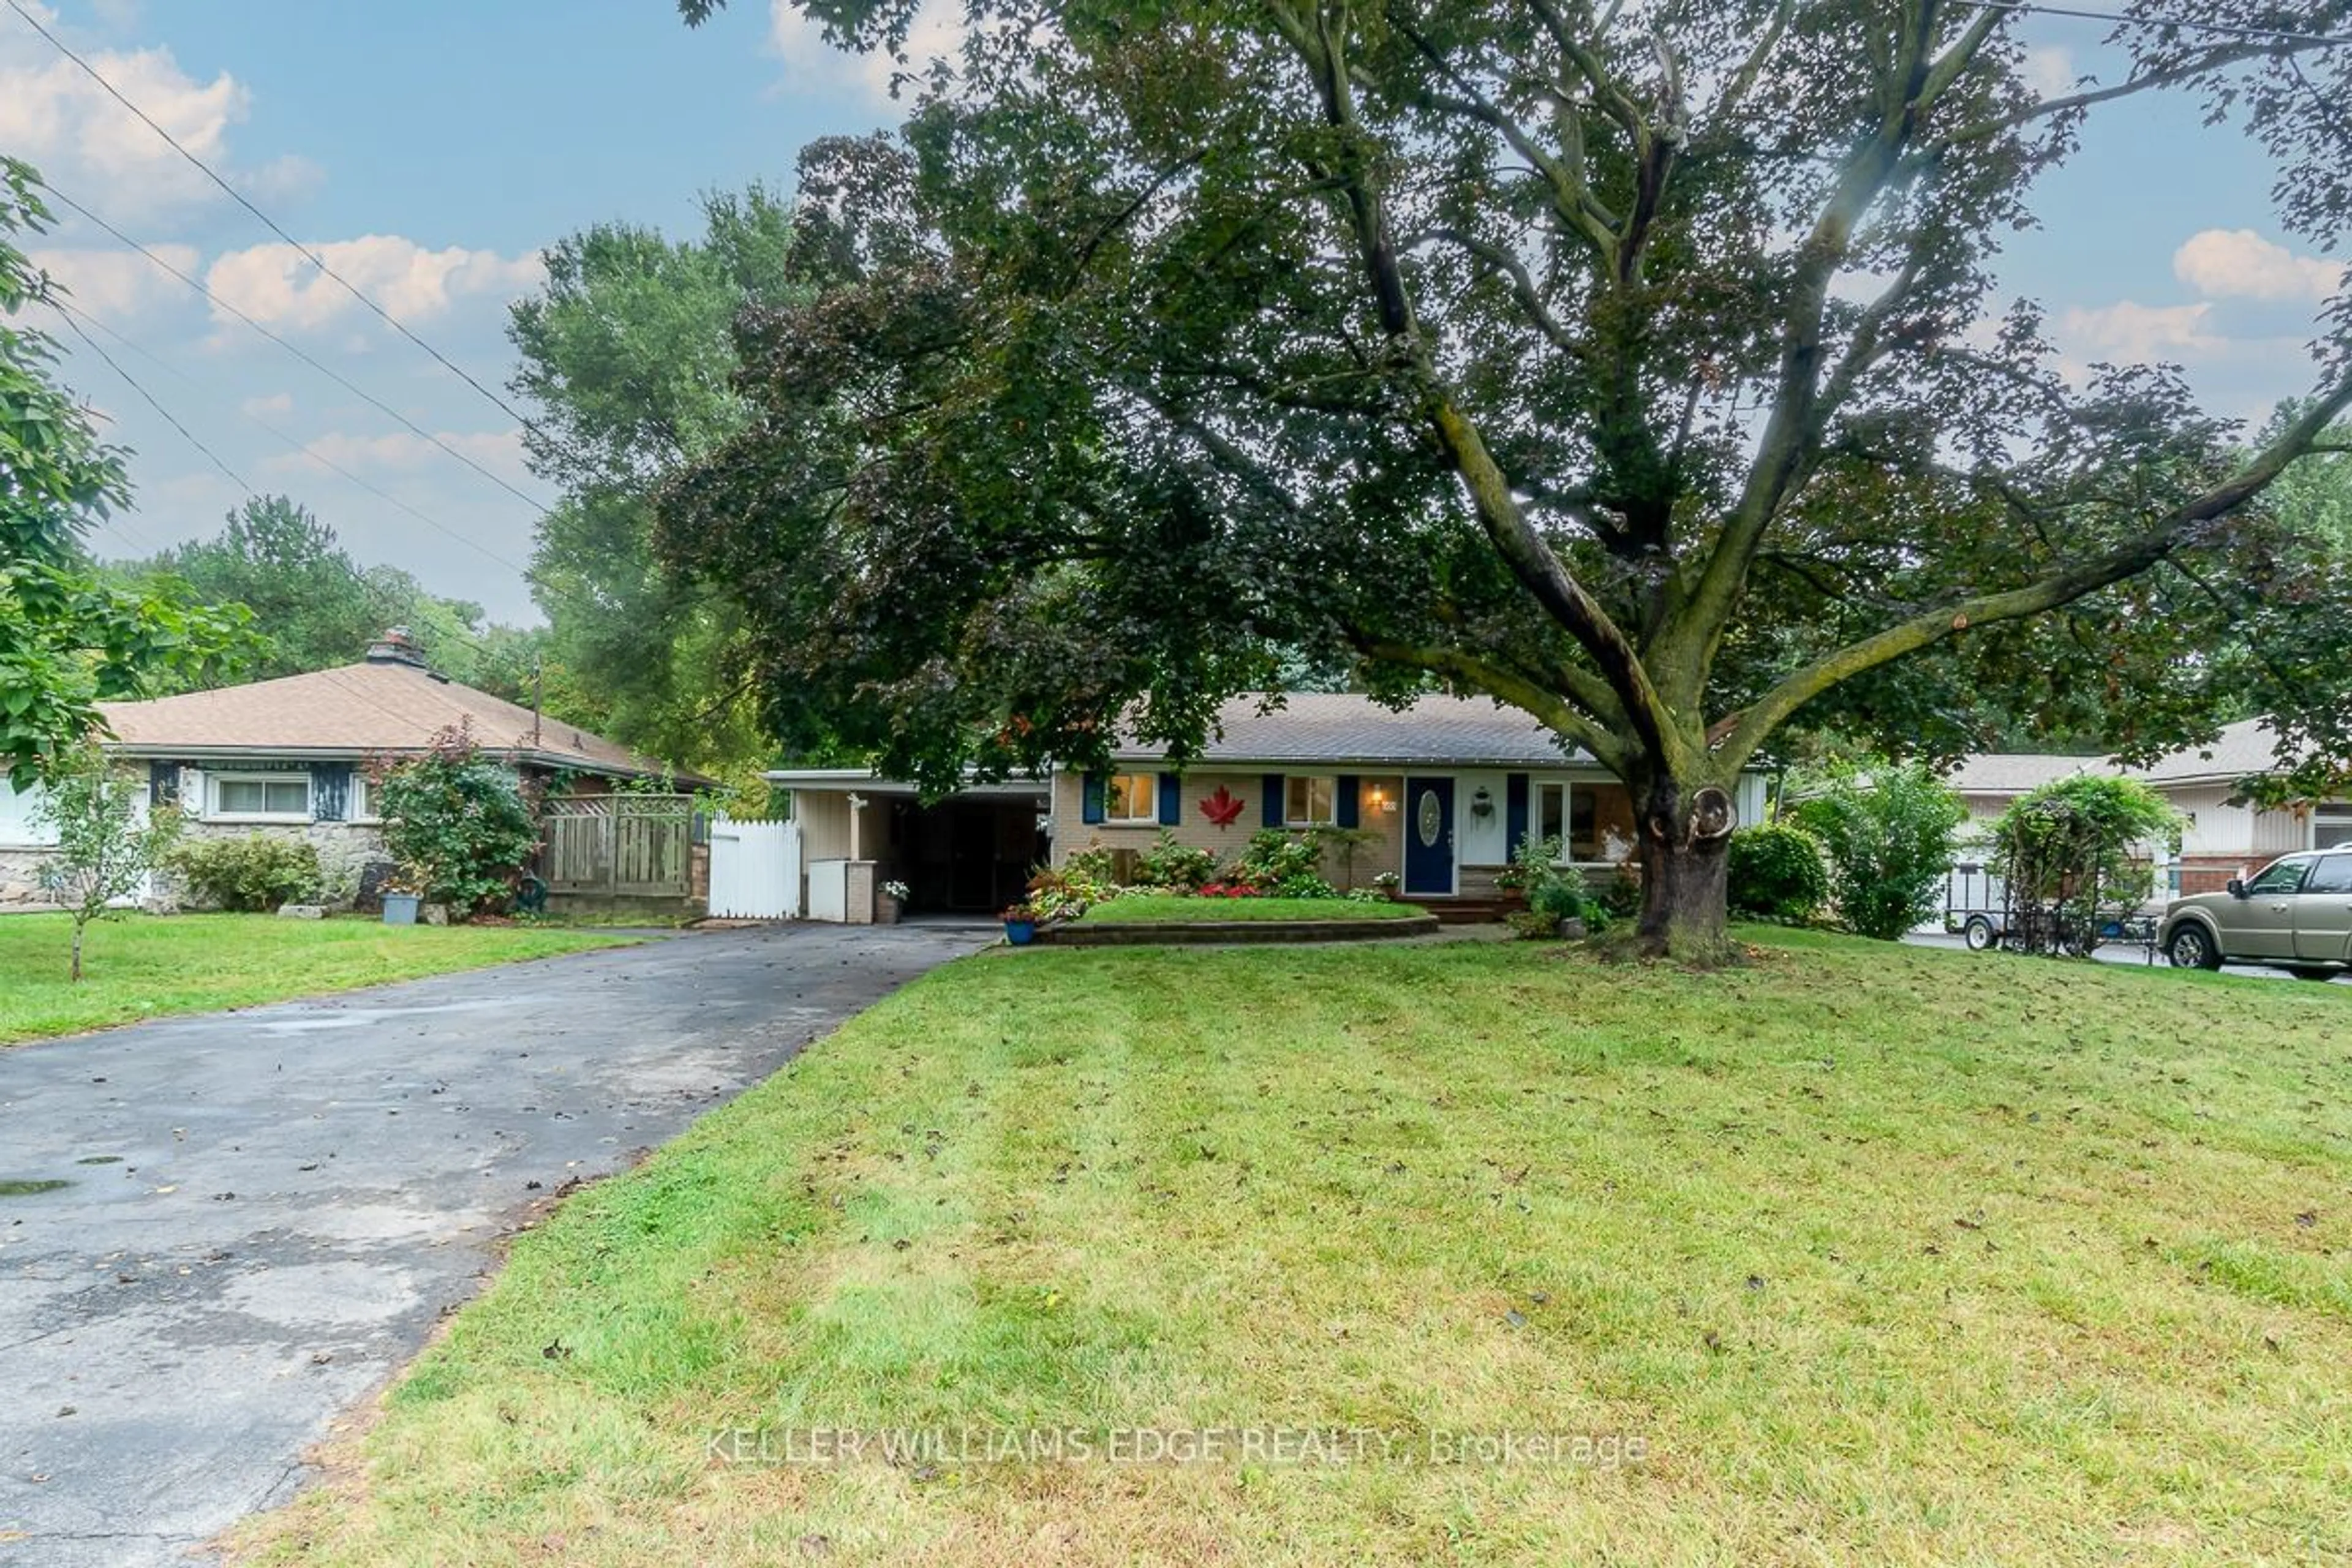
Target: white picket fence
{"x":755,"y":869}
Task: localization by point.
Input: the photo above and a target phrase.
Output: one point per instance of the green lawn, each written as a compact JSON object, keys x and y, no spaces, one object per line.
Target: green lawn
{"x":1165,"y":908}
{"x":147,"y":966}
{"x":1885,"y":1256}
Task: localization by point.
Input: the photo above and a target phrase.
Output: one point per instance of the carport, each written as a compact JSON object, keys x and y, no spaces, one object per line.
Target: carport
{"x":970,"y":853}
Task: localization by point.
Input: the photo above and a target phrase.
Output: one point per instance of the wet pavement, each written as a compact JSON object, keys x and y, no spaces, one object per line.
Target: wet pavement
{"x":218,"y":1233}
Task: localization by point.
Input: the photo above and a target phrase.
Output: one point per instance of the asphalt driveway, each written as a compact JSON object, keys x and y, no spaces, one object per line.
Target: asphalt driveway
{"x":265,"y":1213}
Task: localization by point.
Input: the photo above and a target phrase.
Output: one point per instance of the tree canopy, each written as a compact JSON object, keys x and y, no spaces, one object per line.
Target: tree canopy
{"x":1638,"y":366}
{"x":68,"y":638}
{"x":314,"y":607}
{"x":629,"y":353}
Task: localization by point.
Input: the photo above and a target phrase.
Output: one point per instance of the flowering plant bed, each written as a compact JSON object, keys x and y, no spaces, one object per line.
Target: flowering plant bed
{"x":1161,"y":909}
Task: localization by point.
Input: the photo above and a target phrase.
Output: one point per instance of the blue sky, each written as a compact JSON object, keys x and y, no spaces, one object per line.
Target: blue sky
{"x":433,"y":146}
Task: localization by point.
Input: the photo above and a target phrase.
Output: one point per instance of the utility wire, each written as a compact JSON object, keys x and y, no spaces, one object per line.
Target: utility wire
{"x":271,"y":224}
{"x":2185,"y":23}
{"x":70,"y":311}
{"x":132,"y":383}
{"x":334,"y":375}
{"x":461,"y":634}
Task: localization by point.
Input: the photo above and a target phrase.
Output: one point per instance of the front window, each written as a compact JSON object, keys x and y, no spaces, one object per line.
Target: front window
{"x":1574,"y":814}
{"x":2281,"y":876}
{"x":1310,"y":802}
{"x":1132,"y":797}
{"x":2331,"y":825}
{"x":286,"y":796}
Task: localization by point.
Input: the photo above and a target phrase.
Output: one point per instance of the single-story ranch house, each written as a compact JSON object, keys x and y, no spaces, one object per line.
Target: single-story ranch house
{"x":288,"y":756}
{"x":2225,"y":833}
{"x":1440,"y":793}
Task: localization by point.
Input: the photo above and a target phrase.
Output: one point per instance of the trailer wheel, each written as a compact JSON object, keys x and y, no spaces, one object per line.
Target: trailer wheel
{"x":1979,"y":935}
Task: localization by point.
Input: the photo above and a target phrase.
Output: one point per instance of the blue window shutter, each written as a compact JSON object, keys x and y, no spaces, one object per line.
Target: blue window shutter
{"x":1343,"y":800}
{"x":1515,"y":813}
{"x":1172,"y":800}
{"x":1091,"y":797}
{"x":1272,"y":815}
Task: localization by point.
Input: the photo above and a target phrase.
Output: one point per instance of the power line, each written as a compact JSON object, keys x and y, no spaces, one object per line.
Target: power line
{"x":334,"y":375}
{"x":2226,"y":29}
{"x":71,"y":313}
{"x":271,"y":224}
{"x":298,"y":447}
{"x":132,"y":383}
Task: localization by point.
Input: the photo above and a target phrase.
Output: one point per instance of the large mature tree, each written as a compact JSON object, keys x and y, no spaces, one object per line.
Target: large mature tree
{"x":67,"y":640}
{"x":629,"y":353}
{"x":1637,"y":364}
{"x":314,"y":607}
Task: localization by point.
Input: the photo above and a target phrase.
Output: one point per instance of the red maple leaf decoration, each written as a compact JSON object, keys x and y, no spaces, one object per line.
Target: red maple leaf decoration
{"x":1223,"y":808}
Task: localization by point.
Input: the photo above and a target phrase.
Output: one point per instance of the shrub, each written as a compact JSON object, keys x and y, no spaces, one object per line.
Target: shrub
{"x":1618,"y":894}
{"x":251,"y":874}
{"x":1305,"y":887}
{"x":1096,"y":864}
{"x":1887,"y":829}
{"x":2069,"y":853}
{"x":1275,"y":856}
{"x":461,"y":827}
{"x":1554,"y":892}
{"x":1177,"y":867}
{"x":1776,"y":874}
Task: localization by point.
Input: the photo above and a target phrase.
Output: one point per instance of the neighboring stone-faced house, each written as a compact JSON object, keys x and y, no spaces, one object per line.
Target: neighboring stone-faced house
{"x":1440,"y":794}
{"x":292,"y":756}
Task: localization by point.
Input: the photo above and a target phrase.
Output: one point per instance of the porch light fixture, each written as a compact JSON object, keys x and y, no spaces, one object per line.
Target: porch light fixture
{"x":1482,"y":803}
{"x":1380,"y":801}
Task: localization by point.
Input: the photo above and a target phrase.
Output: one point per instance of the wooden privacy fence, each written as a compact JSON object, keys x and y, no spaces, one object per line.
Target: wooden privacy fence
{"x":619,"y":846}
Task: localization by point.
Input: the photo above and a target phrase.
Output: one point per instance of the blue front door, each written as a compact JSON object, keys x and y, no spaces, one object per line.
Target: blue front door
{"x":1429,"y":836}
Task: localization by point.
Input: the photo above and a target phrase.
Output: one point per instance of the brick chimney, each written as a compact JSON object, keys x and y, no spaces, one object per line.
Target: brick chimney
{"x":396,"y":646}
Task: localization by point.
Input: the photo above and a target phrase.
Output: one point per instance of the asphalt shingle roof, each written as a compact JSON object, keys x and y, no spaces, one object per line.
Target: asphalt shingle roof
{"x":2240,"y":751}
{"x":2014,"y":773}
{"x":357,"y":710}
{"x":1333,"y":728}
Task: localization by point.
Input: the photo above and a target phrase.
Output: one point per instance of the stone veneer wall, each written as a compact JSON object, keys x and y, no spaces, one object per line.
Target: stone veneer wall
{"x":332,"y":839}
{"x":20,"y":883}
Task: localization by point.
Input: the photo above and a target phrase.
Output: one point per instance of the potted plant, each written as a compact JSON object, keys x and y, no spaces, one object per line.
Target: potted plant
{"x":1020,"y":924}
{"x":890,"y":904}
{"x":1387,"y":882}
{"x":402,"y":897}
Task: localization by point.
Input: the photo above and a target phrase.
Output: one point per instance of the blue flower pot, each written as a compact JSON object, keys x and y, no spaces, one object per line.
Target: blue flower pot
{"x":400,"y":908}
{"x":1021,"y":933}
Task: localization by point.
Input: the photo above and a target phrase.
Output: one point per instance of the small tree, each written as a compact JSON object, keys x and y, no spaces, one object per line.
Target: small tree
{"x":106,"y":845}
{"x":461,"y":826}
{"x":1889,"y":830}
{"x":2071,"y":853}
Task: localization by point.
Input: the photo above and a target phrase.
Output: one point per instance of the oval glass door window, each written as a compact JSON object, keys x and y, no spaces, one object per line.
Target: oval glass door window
{"x":1429,"y":819}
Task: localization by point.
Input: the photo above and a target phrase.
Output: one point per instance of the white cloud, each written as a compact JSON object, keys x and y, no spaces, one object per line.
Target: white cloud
{"x":276,"y":404}
{"x":2238,"y":263}
{"x":815,"y":67}
{"x":2050,"y":70}
{"x":402,"y":451}
{"x":56,"y":118}
{"x":115,"y":285}
{"x":275,"y":285}
{"x":2128,"y":332}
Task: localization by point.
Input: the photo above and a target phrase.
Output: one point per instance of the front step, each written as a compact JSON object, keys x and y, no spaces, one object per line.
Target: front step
{"x":1470,"y":911}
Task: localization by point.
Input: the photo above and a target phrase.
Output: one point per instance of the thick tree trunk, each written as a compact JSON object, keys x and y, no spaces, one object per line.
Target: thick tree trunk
{"x":1686,"y":859}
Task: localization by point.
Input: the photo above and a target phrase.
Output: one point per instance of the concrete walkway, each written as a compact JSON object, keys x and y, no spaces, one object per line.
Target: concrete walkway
{"x":265,"y":1213}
